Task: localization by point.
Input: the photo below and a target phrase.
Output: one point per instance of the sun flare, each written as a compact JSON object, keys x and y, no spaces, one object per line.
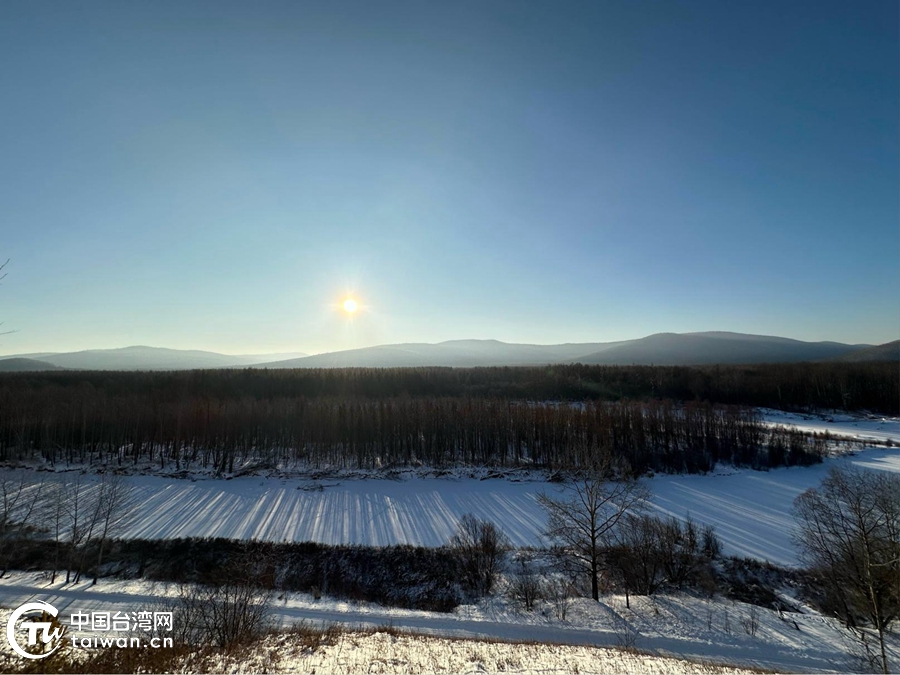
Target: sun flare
{"x":350,"y":305}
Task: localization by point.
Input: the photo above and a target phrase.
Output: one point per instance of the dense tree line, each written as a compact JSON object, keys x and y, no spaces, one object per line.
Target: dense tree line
{"x":87,"y":425}
{"x":871,"y":386}
{"x":396,"y":576}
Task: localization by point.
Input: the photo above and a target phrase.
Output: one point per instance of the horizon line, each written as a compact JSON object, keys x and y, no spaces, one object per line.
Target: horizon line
{"x":24,"y":354}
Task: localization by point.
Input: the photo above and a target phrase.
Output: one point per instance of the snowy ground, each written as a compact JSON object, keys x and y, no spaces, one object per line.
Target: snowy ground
{"x":387,"y":653}
{"x":751,"y":510}
{"x":861,"y":427}
{"x":679,"y":625}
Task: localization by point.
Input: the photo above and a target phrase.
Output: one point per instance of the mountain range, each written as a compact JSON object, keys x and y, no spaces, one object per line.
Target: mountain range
{"x":136,"y":358}
{"x":658,"y":349}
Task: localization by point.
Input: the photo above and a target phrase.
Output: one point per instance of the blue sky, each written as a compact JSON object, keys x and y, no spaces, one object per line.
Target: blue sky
{"x":219,"y":175}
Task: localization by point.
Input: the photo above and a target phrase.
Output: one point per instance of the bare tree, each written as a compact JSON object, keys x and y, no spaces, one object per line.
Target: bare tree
{"x":233,"y":611}
{"x":560,"y":591}
{"x":114,"y":509}
{"x":595,"y":500}
{"x":480,"y":546}
{"x":686,"y":549}
{"x":2,"y":277}
{"x":17,"y":500}
{"x":222,"y":615}
{"x":526,"y":587}
{"x":53,"y":513}
{"x":750,"y":622}
{"x":20,"y":500}
{"x":635,"y":554}
{"x":649,"y":553}
{"x":848,"y":531}
{"x":79,"y":507}
{"x":105,"y":510}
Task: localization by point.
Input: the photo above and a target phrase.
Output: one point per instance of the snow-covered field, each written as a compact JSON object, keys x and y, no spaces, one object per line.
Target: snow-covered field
{"x":682,"y":625}
{"x":750,"y":509}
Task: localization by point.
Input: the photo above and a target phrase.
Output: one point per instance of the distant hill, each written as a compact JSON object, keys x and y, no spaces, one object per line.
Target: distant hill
{"x":454,"y":353}
{"x":659,"y":349}
{"x":889,"y":351}
{"x":683,"y":349}
{"x":144,"y":358}
{"x":18,"y":365}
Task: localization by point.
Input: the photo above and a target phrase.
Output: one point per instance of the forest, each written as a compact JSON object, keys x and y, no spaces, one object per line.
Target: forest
{"x":871,"y":386}
{"x":670,"y":419}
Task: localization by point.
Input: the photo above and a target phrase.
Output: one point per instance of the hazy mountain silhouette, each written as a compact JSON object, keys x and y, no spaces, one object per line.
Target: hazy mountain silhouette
{"x":147,"y":358}
{"x":458,"y":353}
{"x":660,"y":349}
{"x":889,"y":351}
{"x":16,"y":365}
{"x":682,"y":349}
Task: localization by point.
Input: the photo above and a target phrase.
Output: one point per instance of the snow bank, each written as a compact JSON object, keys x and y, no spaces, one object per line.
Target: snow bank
{"x":682,"y":625}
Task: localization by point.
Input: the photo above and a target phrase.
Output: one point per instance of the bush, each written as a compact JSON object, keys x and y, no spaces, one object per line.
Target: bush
{"x":526,"y":587}
{"x":401,"y":576}
{"x":648,"y":554}
{"x":479,"y":547}
{"x":223,"y":616}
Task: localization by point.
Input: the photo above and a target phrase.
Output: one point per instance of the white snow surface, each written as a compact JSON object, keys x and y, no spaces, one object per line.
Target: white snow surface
{"x":384,"y":652}
{"x":861,"y":427}
{"x":751,"y":510}
{"x":681,"y":625}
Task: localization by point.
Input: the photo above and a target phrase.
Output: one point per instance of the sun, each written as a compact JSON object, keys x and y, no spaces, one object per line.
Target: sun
{"x":350,"y":305}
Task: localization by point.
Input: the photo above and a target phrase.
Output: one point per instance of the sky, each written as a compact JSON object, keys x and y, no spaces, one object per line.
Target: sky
{"x":222,"y":175}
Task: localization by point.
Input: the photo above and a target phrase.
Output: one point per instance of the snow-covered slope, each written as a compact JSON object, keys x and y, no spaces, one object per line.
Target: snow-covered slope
{"x":682,"y":625}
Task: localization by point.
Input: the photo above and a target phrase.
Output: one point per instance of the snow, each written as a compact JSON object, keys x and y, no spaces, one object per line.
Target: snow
{"x":860,"y":427}
{"x":751,"y":510}
{"x":388,"y":653}
{"x":419,"y":511}
{"x":678,"y":624}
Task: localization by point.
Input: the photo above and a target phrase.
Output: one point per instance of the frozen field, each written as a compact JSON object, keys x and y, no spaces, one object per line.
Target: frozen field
{"x":750,"y":509}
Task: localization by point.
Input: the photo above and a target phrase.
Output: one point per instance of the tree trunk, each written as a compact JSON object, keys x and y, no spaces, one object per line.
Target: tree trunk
{"x":99,"y":562}
{"x":884,"y":663}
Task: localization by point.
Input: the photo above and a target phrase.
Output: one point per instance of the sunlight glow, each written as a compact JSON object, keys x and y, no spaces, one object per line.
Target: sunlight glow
{"x":350,"y":305}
